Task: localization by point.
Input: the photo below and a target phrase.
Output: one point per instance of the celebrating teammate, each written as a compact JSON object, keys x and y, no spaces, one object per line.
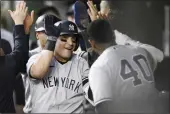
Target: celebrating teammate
{"x":57,"y":76}
{"x":122,"y":78}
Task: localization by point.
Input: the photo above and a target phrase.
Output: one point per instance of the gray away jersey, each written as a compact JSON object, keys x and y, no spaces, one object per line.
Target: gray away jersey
{"x":124,"y":75}
{"x":35,"y":51}
{"x":27,"y":84}
{"x":61,"y":90}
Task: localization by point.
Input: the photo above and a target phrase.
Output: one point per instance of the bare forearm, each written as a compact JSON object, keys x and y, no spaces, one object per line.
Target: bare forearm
{"x":41,"y":65}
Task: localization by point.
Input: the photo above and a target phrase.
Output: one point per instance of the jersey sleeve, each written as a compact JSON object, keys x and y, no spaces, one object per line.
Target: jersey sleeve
{"x":85,"y":81}
{"x":84,"y":72}
{"x":100,"y":84}
{"x":156,"y":54}
{"x":21,"y":47}
{"x":121,"y":38}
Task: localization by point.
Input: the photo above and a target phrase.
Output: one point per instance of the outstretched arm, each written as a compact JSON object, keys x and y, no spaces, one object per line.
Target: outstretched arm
{"x":40,"y":66}
{"x":20,"y":53}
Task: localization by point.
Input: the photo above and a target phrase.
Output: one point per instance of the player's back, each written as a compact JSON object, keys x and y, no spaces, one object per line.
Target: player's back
{"x":131,"y":77}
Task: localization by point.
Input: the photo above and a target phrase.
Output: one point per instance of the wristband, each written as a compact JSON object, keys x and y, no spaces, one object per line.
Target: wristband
{"x":50,"y":44}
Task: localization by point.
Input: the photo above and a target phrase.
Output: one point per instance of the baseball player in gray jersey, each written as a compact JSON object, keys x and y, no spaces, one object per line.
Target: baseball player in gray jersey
{"x":58,"y":77}
{"x":123,"y":82}
{"x":42,"y":38}
{"x":40,"y":34}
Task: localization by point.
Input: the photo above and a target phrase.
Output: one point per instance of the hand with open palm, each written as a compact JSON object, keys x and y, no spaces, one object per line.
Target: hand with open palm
{"x":94,"y":13}
{"x":28,"y":22}
{"x":19,"y":14}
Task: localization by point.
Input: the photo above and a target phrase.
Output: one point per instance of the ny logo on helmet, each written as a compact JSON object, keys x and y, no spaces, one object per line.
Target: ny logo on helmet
{"x":71,"y":27}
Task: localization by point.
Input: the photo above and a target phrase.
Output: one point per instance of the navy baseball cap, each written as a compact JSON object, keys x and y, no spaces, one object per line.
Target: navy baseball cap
{"x":67,"y":27}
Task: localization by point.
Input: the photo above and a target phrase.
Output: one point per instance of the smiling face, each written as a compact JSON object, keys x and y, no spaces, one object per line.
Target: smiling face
{"x":64,"y":48}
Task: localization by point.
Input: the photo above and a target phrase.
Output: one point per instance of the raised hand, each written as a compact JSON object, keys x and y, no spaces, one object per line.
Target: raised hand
{"x":94,"y":13}
{"x":28,"y":21}
{"x":102,"y":16}
{"x":50,"y":29}
{"x":19,"y":14}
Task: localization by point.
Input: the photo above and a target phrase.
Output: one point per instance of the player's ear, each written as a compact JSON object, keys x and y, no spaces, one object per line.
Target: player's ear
{"x":92,"y":43}
{"x":36,"y":33}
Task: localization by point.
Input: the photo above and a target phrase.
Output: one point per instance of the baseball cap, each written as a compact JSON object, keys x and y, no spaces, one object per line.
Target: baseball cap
{"x":67,"y":27}
{"x":39,"y":24}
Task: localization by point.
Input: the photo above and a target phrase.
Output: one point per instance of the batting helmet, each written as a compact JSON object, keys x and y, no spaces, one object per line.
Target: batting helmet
{"x":69,"y":28}
{"x":39,"y":24}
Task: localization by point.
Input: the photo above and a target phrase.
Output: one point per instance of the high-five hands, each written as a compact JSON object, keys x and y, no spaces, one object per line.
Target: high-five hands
{"x":19,"y":14}
{"x":94,"y":13}
{"x":28,"y":21}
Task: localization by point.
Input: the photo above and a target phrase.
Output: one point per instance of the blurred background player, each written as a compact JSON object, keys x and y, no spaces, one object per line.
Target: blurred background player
{"x":70,"y":13}
{"x":42,"y":11}
{"x":40,"y":33}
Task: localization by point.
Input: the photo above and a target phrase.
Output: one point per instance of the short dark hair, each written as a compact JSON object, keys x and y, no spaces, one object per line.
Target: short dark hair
{"x":5,"y":45}
{"x":46,"y":9}
{"x":100,"y":31}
